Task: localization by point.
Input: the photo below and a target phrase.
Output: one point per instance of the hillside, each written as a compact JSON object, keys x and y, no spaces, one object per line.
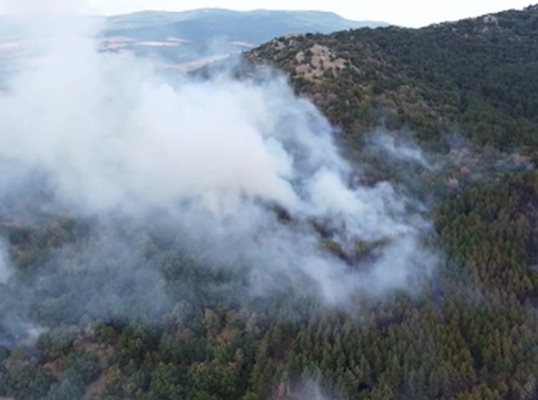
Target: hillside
{"x":213,"y":237}
{"x":476,"y":77}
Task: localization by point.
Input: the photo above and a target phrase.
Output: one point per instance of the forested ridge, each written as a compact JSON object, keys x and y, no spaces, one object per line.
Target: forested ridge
{"x":475,"y":77}
{"x":471,"y":332}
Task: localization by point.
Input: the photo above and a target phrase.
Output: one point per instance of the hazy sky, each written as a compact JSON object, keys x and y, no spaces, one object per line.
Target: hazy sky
{"x":410,"y":12}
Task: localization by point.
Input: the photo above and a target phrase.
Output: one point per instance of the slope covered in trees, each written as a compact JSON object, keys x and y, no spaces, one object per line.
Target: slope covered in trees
{"x":471,"y":334}
{"x":476,"y":77}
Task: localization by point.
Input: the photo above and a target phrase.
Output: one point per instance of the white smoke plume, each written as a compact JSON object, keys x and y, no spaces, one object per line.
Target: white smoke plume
{"x":248,"y":169}
{"x":312,"y":390}
{"x":398,"y":148}
{"x":5,"y":265}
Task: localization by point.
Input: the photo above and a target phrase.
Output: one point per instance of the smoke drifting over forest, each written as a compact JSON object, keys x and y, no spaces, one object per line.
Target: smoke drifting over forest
{"x":399,"y":150}
{"x":243,"y":171}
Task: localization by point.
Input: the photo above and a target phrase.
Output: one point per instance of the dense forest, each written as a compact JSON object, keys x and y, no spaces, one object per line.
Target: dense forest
{"x":469,"y":332}
{"x":475,"y":77}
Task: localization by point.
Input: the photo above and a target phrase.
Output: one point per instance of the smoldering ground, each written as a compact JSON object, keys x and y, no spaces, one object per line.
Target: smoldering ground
{"x":224,"y":180}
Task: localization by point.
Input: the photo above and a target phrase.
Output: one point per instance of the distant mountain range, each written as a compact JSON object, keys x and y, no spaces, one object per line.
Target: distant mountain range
{"x":250,"y":26}
{"x":191,"y":35}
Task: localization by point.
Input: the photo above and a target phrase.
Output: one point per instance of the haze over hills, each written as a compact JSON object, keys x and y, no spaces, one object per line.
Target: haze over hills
{"x":209,"y":32}
{"x":250,"y":26}
{"x":182,"y":37}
